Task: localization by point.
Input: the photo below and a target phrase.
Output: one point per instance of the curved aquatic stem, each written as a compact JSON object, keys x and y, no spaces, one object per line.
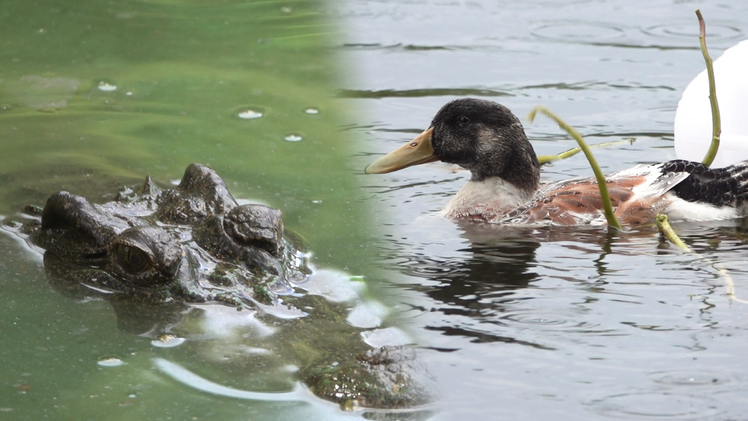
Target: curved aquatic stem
{"x":601,"y":182}
{"x":544,"y":159}
{"x":663,"y":223}
{"x":716,"y":122}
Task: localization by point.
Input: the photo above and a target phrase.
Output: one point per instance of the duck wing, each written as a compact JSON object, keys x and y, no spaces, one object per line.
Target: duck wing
{"x":637,"y":194}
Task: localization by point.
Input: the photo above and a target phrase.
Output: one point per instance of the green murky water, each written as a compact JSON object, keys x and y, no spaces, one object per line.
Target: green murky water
{"x":183,"y":72}
{"x":96,"y":95}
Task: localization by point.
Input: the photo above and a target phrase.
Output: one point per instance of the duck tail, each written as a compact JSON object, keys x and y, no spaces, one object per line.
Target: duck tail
{"x":720,"y":187}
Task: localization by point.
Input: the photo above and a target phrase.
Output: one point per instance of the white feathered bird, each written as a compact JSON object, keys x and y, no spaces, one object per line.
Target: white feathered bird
{"x":693,"y":118}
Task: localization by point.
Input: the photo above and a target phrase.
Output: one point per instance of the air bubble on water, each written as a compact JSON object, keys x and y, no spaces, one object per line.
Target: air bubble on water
{"x":167,"y":341}
{"x":110,"y":362}
{"x":250,"y":114}
{"x":107,"y":87}
{"x":293,"y":137}
{"x":311,"y":111}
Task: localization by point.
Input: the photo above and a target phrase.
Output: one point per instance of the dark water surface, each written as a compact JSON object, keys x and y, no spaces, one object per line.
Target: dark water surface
{"x":553,"y":323}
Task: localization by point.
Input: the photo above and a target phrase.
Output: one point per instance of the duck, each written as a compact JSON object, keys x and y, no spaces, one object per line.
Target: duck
{"x":692,"y":124}
{"x":487,"y":139}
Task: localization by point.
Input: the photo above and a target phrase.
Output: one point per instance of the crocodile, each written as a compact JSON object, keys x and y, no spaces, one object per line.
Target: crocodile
{"x":158,"y":254}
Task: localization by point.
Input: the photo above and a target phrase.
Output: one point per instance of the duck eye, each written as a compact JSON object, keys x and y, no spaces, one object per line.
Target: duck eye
{"x":131,"y":259}
{"x":464,"y":120}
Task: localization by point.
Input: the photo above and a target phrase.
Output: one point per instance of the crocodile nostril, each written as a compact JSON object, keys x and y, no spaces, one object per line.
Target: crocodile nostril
{"x":256,"y":225}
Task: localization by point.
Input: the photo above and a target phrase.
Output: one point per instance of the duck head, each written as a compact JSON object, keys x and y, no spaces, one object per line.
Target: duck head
{"x":481,"y":136}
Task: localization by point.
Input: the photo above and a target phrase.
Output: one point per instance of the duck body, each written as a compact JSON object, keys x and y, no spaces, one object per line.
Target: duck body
{"x":637,"y":195}
{"x":488,"y":140}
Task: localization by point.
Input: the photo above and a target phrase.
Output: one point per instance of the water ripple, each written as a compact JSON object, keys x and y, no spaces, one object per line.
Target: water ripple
{"x":404,"y":47}
{"x":655,"y":406}
{"x":689,"y":378}
{"x":687,"y":29}
{"x":417,"y":93}
{"x":545,"y":320}
{"x":578,"y":31}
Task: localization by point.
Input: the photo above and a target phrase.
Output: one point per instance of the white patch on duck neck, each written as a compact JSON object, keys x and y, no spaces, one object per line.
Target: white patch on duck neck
{"x":489,"y":198}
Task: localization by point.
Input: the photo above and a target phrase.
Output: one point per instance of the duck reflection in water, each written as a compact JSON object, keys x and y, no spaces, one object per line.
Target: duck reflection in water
{"x":492,"y":277}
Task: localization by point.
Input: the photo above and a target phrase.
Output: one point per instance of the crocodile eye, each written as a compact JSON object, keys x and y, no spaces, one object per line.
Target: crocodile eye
{"x":145,"y":256}
{"x":132,"y":259}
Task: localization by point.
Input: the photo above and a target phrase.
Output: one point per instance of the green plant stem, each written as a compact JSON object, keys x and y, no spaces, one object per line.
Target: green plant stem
{"x":544,"y":159}
{"x":601,"y":182}
{"x":663,"y":223}
{"x":716,"y":122}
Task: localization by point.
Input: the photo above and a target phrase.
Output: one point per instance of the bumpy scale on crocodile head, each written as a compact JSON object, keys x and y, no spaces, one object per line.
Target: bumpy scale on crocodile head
{"x":193,"y":243}
{"x":152,"y":256}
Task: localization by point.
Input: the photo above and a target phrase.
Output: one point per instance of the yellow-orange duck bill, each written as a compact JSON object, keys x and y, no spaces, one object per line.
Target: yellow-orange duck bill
{"x":417,"y":151}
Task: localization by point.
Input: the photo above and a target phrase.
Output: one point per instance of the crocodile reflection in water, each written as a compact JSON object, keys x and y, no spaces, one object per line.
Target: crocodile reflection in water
{"x":159,"y":255}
